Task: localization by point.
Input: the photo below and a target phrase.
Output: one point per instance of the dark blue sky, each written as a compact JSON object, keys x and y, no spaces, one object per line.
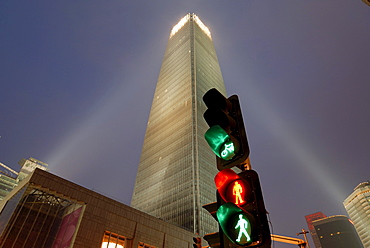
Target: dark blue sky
{"x":77,"y":80}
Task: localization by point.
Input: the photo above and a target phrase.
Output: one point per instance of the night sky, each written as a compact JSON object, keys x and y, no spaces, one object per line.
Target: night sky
{"x":78,"y":77}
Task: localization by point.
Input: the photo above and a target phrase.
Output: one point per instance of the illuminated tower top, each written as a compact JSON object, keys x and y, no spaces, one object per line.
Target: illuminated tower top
{"x":185,"y":19}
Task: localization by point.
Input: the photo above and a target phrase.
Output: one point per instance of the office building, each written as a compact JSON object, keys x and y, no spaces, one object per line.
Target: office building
{"x":309,"y":219}
{"x":337,"y":232}
{"x":7,"y":182}
{"x":29,"y":165}
{"x":10,"y":178}
{"x":177,"y":167}
{"x":47,"y":211}
{"x":357,"y":205}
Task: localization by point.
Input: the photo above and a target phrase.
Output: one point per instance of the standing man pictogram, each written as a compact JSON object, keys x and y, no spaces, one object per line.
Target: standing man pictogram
{"x":237,"y":191}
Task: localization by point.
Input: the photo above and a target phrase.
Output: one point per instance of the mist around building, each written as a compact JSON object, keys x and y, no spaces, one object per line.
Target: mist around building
{"x":40,"y":209}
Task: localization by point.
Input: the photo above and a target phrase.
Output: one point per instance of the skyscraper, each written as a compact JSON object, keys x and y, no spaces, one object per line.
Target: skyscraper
{"x":309,"y":219}
{"x":9,"y":178}
{"x":357,"y":205}
{"x":337,"y":231}
{"x":176,"y":170}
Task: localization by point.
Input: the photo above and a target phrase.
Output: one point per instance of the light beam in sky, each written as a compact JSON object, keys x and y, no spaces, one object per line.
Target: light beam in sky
{"x":306,"y":159}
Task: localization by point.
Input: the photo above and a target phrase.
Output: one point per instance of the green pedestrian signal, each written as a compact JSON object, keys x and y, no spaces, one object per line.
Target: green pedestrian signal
{"x":244,"y":229}
{"x":236,"y":224}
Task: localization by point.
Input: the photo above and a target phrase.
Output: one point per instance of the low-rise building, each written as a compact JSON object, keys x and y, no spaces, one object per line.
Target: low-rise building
{"x":45,"y":210}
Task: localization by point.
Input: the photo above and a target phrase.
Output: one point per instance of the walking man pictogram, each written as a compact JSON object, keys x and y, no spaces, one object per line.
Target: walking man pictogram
{"x":243,"y":225}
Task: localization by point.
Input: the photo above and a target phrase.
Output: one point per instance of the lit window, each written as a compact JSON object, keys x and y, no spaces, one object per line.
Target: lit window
{"x":111,"y":240}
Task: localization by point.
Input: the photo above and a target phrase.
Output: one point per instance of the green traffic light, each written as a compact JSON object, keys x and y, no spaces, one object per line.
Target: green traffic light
{"x":235,"y":223}
{"x":220,"y":142}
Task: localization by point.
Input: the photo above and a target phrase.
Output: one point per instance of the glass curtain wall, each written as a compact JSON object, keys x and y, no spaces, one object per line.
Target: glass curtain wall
{"x":37,"y":218}
{"x":176,"y":170}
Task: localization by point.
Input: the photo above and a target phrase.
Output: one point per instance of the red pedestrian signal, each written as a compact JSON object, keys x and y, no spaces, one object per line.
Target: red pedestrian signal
{"x":232,"y":188}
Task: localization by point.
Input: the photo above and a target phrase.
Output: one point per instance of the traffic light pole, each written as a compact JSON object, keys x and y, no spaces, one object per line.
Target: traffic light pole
{"x":246,"y":165}
{"x":304,"y":232}
{"x":288,"y":240}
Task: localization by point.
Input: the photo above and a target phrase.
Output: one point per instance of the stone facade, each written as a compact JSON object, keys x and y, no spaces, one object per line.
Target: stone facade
{"x":97,"y":217}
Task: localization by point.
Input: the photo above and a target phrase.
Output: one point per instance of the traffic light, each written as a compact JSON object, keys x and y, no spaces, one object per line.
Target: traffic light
{"x":216,"y":239}
{"x":241,"y":213}
{"x":226,"y":135}
{"x":197,"y":242}
{"x":240,"y":209}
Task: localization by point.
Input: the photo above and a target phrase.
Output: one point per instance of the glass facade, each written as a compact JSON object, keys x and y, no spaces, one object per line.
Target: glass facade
{"x":309,"y":219}
{"x":176,"y":170}
{"x":34,"y":217}
{"x":357,"y":205}
{"x":7,"y":179}
{"x":7,"y":184}
{"x":29,"y":165}
{"x":337,"y":231}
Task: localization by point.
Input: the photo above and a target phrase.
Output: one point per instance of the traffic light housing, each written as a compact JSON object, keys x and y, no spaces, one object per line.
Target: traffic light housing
{"x":240,"y":209}
{"x":241,"y":213}
{"x":197,"y":242}
{"x":226,"y":135}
